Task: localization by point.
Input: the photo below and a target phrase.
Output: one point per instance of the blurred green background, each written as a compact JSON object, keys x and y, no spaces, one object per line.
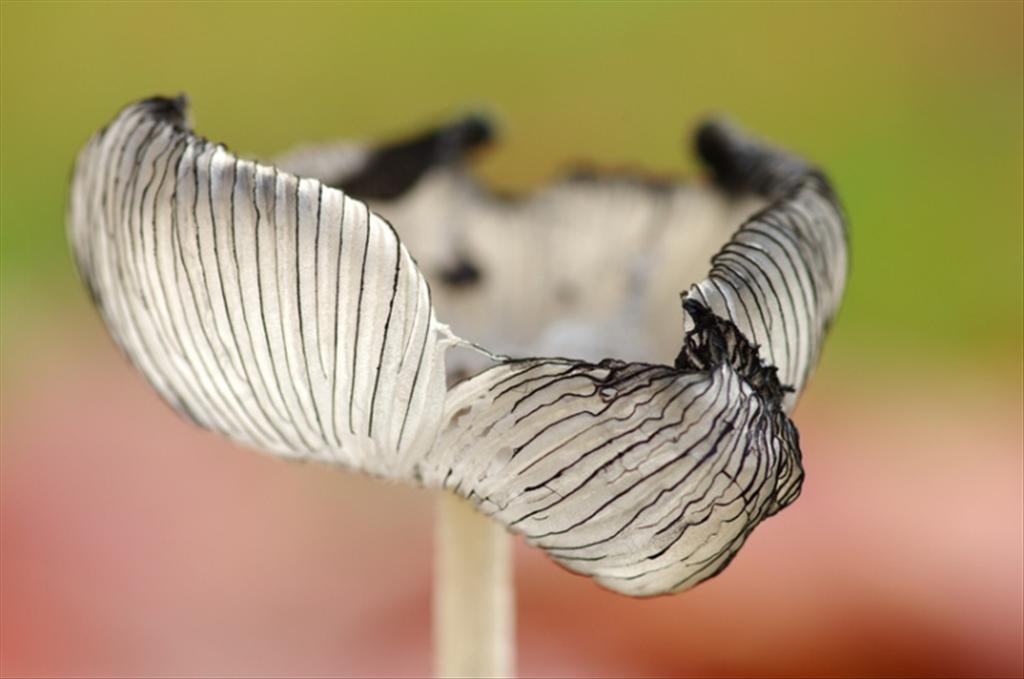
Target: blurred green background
{"x":914,"y":109}
{"x":134,"y":544}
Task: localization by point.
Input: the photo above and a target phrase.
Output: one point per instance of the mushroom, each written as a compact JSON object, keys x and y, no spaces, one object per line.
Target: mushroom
{"x":273,"y":305}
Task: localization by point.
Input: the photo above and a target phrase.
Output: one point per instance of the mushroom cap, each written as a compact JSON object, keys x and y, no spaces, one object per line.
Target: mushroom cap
{"x":287,"y":314}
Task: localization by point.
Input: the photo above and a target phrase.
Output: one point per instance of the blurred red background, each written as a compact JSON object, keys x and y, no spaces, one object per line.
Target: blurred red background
{"x":163,"y":550}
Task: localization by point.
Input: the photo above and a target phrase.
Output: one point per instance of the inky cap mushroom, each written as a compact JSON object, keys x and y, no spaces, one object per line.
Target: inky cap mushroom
{"x":288,"y":315}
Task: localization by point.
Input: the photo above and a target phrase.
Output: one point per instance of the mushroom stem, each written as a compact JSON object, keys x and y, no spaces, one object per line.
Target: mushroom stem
{"x":474,"y":619}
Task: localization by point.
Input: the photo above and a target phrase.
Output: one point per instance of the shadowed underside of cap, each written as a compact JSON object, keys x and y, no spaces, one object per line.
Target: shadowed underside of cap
{"x":289,"y":316}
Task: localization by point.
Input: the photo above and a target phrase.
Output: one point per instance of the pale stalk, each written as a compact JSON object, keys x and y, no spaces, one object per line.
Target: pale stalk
{"x":474,"y":606}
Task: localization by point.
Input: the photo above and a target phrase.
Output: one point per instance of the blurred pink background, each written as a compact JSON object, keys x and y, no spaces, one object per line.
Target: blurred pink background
{"x":135,"y":544}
